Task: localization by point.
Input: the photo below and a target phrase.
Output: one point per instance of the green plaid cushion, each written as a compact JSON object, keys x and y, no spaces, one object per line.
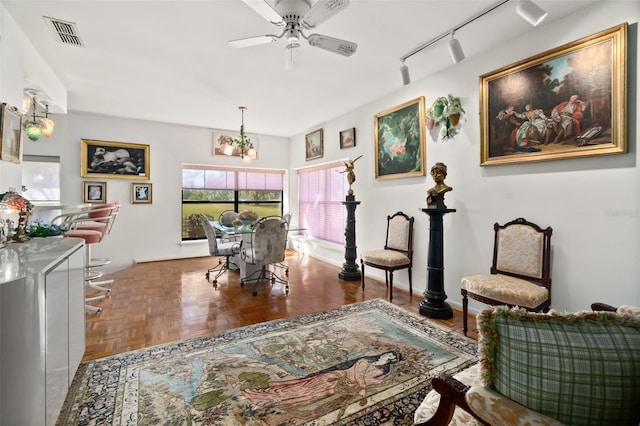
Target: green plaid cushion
{"x":581,"y":369}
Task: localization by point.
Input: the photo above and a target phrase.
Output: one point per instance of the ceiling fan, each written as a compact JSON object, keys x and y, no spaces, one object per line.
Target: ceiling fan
{"x":293,"y":17}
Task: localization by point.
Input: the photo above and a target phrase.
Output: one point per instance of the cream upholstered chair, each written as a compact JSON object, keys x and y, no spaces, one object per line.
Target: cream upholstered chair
{"x":266,"y":247}
{"x":219,"y":247}
{"x":520,"y":273}
{"x":397,"y":252}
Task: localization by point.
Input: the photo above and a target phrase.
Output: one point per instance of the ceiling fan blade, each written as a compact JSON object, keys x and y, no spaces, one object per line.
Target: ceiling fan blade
{"x":266,"y":11}
{"x":323,"y":10}
{"x":253,"y":41}
{"x":335,"y":45}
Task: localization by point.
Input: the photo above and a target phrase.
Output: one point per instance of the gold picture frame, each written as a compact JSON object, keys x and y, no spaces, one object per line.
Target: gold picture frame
{"x":94,"y":192}
{"x":399,"y":135}
{"x":118,"y":160}
{"x":314,"y":145}
{"x":11,"y":134}
{"x":568,"y":102}
{"x":348,"y":138}
{"x":141,"y":193}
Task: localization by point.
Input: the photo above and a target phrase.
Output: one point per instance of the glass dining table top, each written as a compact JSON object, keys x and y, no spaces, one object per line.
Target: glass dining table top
{"x":243,"y":229}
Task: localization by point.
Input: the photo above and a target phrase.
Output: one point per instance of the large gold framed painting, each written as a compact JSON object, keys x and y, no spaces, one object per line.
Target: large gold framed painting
{"x":568,"y":102}
{"x":399,"y":134}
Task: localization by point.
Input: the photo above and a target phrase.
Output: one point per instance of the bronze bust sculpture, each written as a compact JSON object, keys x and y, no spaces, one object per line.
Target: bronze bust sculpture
{"x":435,"y":195}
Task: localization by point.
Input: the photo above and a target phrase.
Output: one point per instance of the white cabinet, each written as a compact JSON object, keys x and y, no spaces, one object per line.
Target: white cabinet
{"x":42,"y":331}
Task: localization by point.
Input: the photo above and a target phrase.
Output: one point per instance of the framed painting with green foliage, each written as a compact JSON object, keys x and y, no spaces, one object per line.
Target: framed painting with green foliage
{"x":399,"y":135}
{"x":314,"y":145}
{"x":121,"y":160}
{"x":141,"y":193}
{"x":567,"y":102}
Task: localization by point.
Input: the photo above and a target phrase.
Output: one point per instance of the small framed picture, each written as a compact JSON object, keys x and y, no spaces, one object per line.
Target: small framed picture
{"x":348,"y":138}
{"x":94,"y":192}
{"x":141,"y":193}
{"x":10,"y":134}
{"x":314,"y":145}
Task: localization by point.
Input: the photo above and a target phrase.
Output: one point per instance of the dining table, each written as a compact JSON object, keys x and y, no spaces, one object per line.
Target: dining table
{"x":243,"y":234}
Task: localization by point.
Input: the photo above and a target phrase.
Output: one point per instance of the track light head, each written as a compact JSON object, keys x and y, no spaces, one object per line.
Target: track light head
{"x":404,"y":71}
{"x":455,"y":50}
{"x":530,"y":12}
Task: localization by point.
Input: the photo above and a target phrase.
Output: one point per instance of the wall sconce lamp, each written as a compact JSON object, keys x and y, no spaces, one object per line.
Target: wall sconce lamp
{"x":530,"y":12}
{"x":36,"y":125}
{"x":243,"y":144}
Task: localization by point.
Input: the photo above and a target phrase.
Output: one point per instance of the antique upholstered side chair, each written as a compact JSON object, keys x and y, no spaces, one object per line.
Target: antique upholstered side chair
{"x":520,"y":273}
{"x":397,"y":252}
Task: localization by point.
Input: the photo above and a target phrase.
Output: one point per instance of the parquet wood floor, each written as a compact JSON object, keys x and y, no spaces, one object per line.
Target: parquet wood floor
{"x":161,"y":302}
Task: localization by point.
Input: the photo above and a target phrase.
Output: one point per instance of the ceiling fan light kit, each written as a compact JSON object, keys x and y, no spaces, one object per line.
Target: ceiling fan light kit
{"x":293,"y":17}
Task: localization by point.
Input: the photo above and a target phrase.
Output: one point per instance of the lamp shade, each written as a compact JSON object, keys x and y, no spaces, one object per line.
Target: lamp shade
{"x":47,"y":126}
{"x":33,"y":130}
{"x":455,"y":50}
{"x":530,"y":12}
{"x":26,"y":104}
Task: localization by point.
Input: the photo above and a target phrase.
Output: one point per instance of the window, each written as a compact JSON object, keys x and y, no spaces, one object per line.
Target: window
{"x":41,"y":177}
{"x":211,"y":190}
{"x":322,"y":190}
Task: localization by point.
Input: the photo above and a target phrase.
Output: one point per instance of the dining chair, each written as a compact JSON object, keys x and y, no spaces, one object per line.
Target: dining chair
{"x":219,"y":247}
{"x":520,"y":273}
{"x":265,"y":247}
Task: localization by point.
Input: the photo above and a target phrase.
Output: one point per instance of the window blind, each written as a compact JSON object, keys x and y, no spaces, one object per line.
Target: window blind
{"x":322,"y":190}
{"x":200,"y":177}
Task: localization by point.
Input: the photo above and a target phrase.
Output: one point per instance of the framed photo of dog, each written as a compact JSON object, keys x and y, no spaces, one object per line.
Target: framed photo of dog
{"x":567,"y":102}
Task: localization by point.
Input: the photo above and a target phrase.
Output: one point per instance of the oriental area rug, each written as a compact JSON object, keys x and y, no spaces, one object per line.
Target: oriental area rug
{"x":369,"y":363}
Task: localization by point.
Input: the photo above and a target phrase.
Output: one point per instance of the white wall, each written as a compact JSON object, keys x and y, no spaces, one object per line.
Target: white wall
{"x":145,"y":232}
{"x":592,"y":204}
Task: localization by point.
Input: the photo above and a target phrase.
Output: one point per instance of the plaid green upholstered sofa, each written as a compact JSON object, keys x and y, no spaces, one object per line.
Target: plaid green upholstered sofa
{"x":545,"y":369}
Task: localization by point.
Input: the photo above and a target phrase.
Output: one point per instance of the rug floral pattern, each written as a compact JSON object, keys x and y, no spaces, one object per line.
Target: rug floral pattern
{"x":366,"y":363}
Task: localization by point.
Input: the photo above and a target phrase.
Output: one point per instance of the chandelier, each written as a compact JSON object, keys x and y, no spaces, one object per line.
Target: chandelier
{"x":36,"y":125}
{"x":242,"y":144}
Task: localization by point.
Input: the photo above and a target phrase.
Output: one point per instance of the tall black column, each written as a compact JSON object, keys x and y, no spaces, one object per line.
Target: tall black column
{"x":350,"y":269}
{"x":434,"y":305}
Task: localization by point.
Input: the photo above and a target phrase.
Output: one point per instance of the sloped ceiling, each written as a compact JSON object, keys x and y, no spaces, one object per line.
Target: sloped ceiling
{"x":169,"y":61}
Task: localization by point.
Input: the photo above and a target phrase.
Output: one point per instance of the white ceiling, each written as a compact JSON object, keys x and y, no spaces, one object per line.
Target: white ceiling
{"x":169,"y":61}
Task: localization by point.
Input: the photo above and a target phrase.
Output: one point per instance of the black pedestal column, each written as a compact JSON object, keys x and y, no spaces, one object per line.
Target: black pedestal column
{"x":350,"y":269}
{"x":434,"y":305}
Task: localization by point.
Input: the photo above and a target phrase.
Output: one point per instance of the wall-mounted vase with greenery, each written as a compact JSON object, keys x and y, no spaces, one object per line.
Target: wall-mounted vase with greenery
{"x":446,"y":112}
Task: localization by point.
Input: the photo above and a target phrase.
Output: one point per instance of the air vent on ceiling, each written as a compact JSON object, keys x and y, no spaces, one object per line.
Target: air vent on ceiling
{"x":64,"y":32}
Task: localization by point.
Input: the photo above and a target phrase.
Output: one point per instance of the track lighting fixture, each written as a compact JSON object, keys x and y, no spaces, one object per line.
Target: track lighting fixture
{"x":530,"y":12}
{"x":404,"y":71}
{"x":455,"y":49}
